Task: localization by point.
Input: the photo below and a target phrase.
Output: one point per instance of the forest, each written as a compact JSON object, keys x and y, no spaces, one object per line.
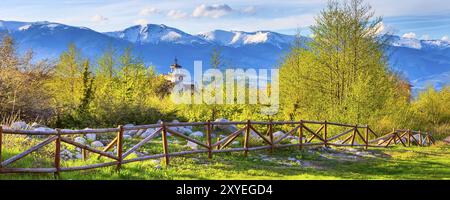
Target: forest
{"x":341,"y":75}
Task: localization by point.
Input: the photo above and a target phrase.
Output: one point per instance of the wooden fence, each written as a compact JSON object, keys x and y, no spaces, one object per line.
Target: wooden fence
{"x":303,"y":131}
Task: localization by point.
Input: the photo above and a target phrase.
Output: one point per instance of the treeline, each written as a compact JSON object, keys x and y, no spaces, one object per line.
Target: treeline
{"x":340,"y":75}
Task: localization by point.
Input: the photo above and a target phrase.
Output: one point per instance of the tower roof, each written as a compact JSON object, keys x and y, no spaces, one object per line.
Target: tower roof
{"x":175,"y":65}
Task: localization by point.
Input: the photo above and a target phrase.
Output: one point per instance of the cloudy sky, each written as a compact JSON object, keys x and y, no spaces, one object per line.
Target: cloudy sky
{"x":428,"y":19}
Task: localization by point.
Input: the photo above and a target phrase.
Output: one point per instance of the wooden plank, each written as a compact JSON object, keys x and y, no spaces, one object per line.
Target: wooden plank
{"x":367,"y":137}
{"x":270,"y":130}
{"x":229,"y":136}
{"x":208,"y":139}
{"x":82,"y":146}
{"x":165,"y":145}
{"x":86,"y":167}
{"x":119,"y":147}
{"x":260,"y":135}
{"x":228,"y":142}
{"x":27,"y":170}
{"x":287,"y":134}
{"x":108,"y":147}
{"x":1,"y":145}
{"x":325,"y":133}
{"x":142,"y":142}
{"x":315,"y":134}
{"x":300,"y":137}
{"x":31,"y":150}
{"x":247,"y":133}
{"x":175,"y":133}
{"x":340,"y":135}
{"x":58,"y":153}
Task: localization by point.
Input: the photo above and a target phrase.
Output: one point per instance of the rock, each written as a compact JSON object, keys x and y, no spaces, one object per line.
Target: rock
{"x":192,"y":145}
{"x":235,"y":143}
{"x":188,"y":127}
{"x":185,"y":131}
{"x":131,"y":132}
{"x":36,"y":125}
{"x":277,"y":135}
{"x":447,"y":140}
{"x":127,"y":137}
{"x":78,"y":156}
{"x":292,"y":159}
{"x":147,"y":132}
{"x":20,"y":125}
{"x":43,"y":129}
{"x":97,"y":144}
{"x":221,"y":126}
{"x":138,"y":133}
{"x":175,"y":121}
{"x":91,"y":136}
{"x":80,"y":140}
{"x":196,"y":134}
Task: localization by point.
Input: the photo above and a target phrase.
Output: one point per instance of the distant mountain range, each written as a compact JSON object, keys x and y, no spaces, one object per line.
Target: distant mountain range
{"x":423,"y":62}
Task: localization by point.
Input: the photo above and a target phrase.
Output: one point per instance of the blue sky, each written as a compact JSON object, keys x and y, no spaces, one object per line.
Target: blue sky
{"x":428,"y":19}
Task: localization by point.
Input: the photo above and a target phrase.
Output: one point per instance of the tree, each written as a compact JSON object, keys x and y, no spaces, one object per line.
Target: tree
{"x":343,"y":73}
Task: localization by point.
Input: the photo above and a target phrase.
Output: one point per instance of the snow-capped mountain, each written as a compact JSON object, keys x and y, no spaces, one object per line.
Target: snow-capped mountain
{"x":154,"y":34}
{"x":423,"y":62}
{"x":241,"y":38}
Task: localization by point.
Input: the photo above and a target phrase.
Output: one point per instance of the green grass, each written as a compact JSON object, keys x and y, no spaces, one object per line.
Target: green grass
{"x":393,"y":163}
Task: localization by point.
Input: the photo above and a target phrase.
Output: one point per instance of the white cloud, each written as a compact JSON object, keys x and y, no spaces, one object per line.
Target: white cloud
{"x":214,"y":11}
{"x":426,"y":37}
{"x":177,"y":14}
{"x":249,"y":10}
{"x":410,"y":35}
{"x":141,"y":22}
{"x":149,"y":11}
{"x":446,"y":38}
{"x":98,"y":18}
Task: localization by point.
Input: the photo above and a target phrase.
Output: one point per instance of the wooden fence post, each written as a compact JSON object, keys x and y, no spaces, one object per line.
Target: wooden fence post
{"x":165,"y":145}
{"x":120,"y":147}
{"x":367,"y":137}
{"x":272,"y":146}
{"x":325,"y":134}
{"x":58,"y":153}
{"x":354,"y":135}
{"x":300,"y":137}
{"x":247,"y":133}
{"x":208,"y":135}
{"x":1,"y":142}
{"x":409,"y":137}
{"x":420,"y":138}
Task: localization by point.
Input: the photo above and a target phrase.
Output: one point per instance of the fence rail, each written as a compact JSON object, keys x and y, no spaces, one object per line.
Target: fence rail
{"x":303,"y":132}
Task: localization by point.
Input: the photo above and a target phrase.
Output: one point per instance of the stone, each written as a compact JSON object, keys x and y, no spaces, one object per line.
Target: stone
{"x":80,"y":140}
{"x":192,"y":145}
{"x":221,"y":126}
{"x":43,"y":129}
{"x":147,"y":132}
{"x":97,"y":144}
{"x":20,"y":125}
{"x":91,"y":136}
{"x":197,"y":134}
{"x":185,"y":131}
{"x":127,"y":137}
{"x":139,"y":132}
{"x":278,"y":135}
{"x":447,"y":140}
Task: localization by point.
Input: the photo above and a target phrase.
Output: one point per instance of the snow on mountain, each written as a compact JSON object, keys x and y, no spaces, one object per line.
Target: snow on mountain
{"x":154,"y":34}
{"x":241,"y":38}
{"x":421,"y":61}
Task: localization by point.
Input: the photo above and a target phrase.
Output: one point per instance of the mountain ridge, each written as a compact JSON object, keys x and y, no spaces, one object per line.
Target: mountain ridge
{"x":421,"y":61}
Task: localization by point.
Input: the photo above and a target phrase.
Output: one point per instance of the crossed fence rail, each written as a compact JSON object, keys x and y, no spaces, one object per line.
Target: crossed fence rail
{"x":302,"y":130}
